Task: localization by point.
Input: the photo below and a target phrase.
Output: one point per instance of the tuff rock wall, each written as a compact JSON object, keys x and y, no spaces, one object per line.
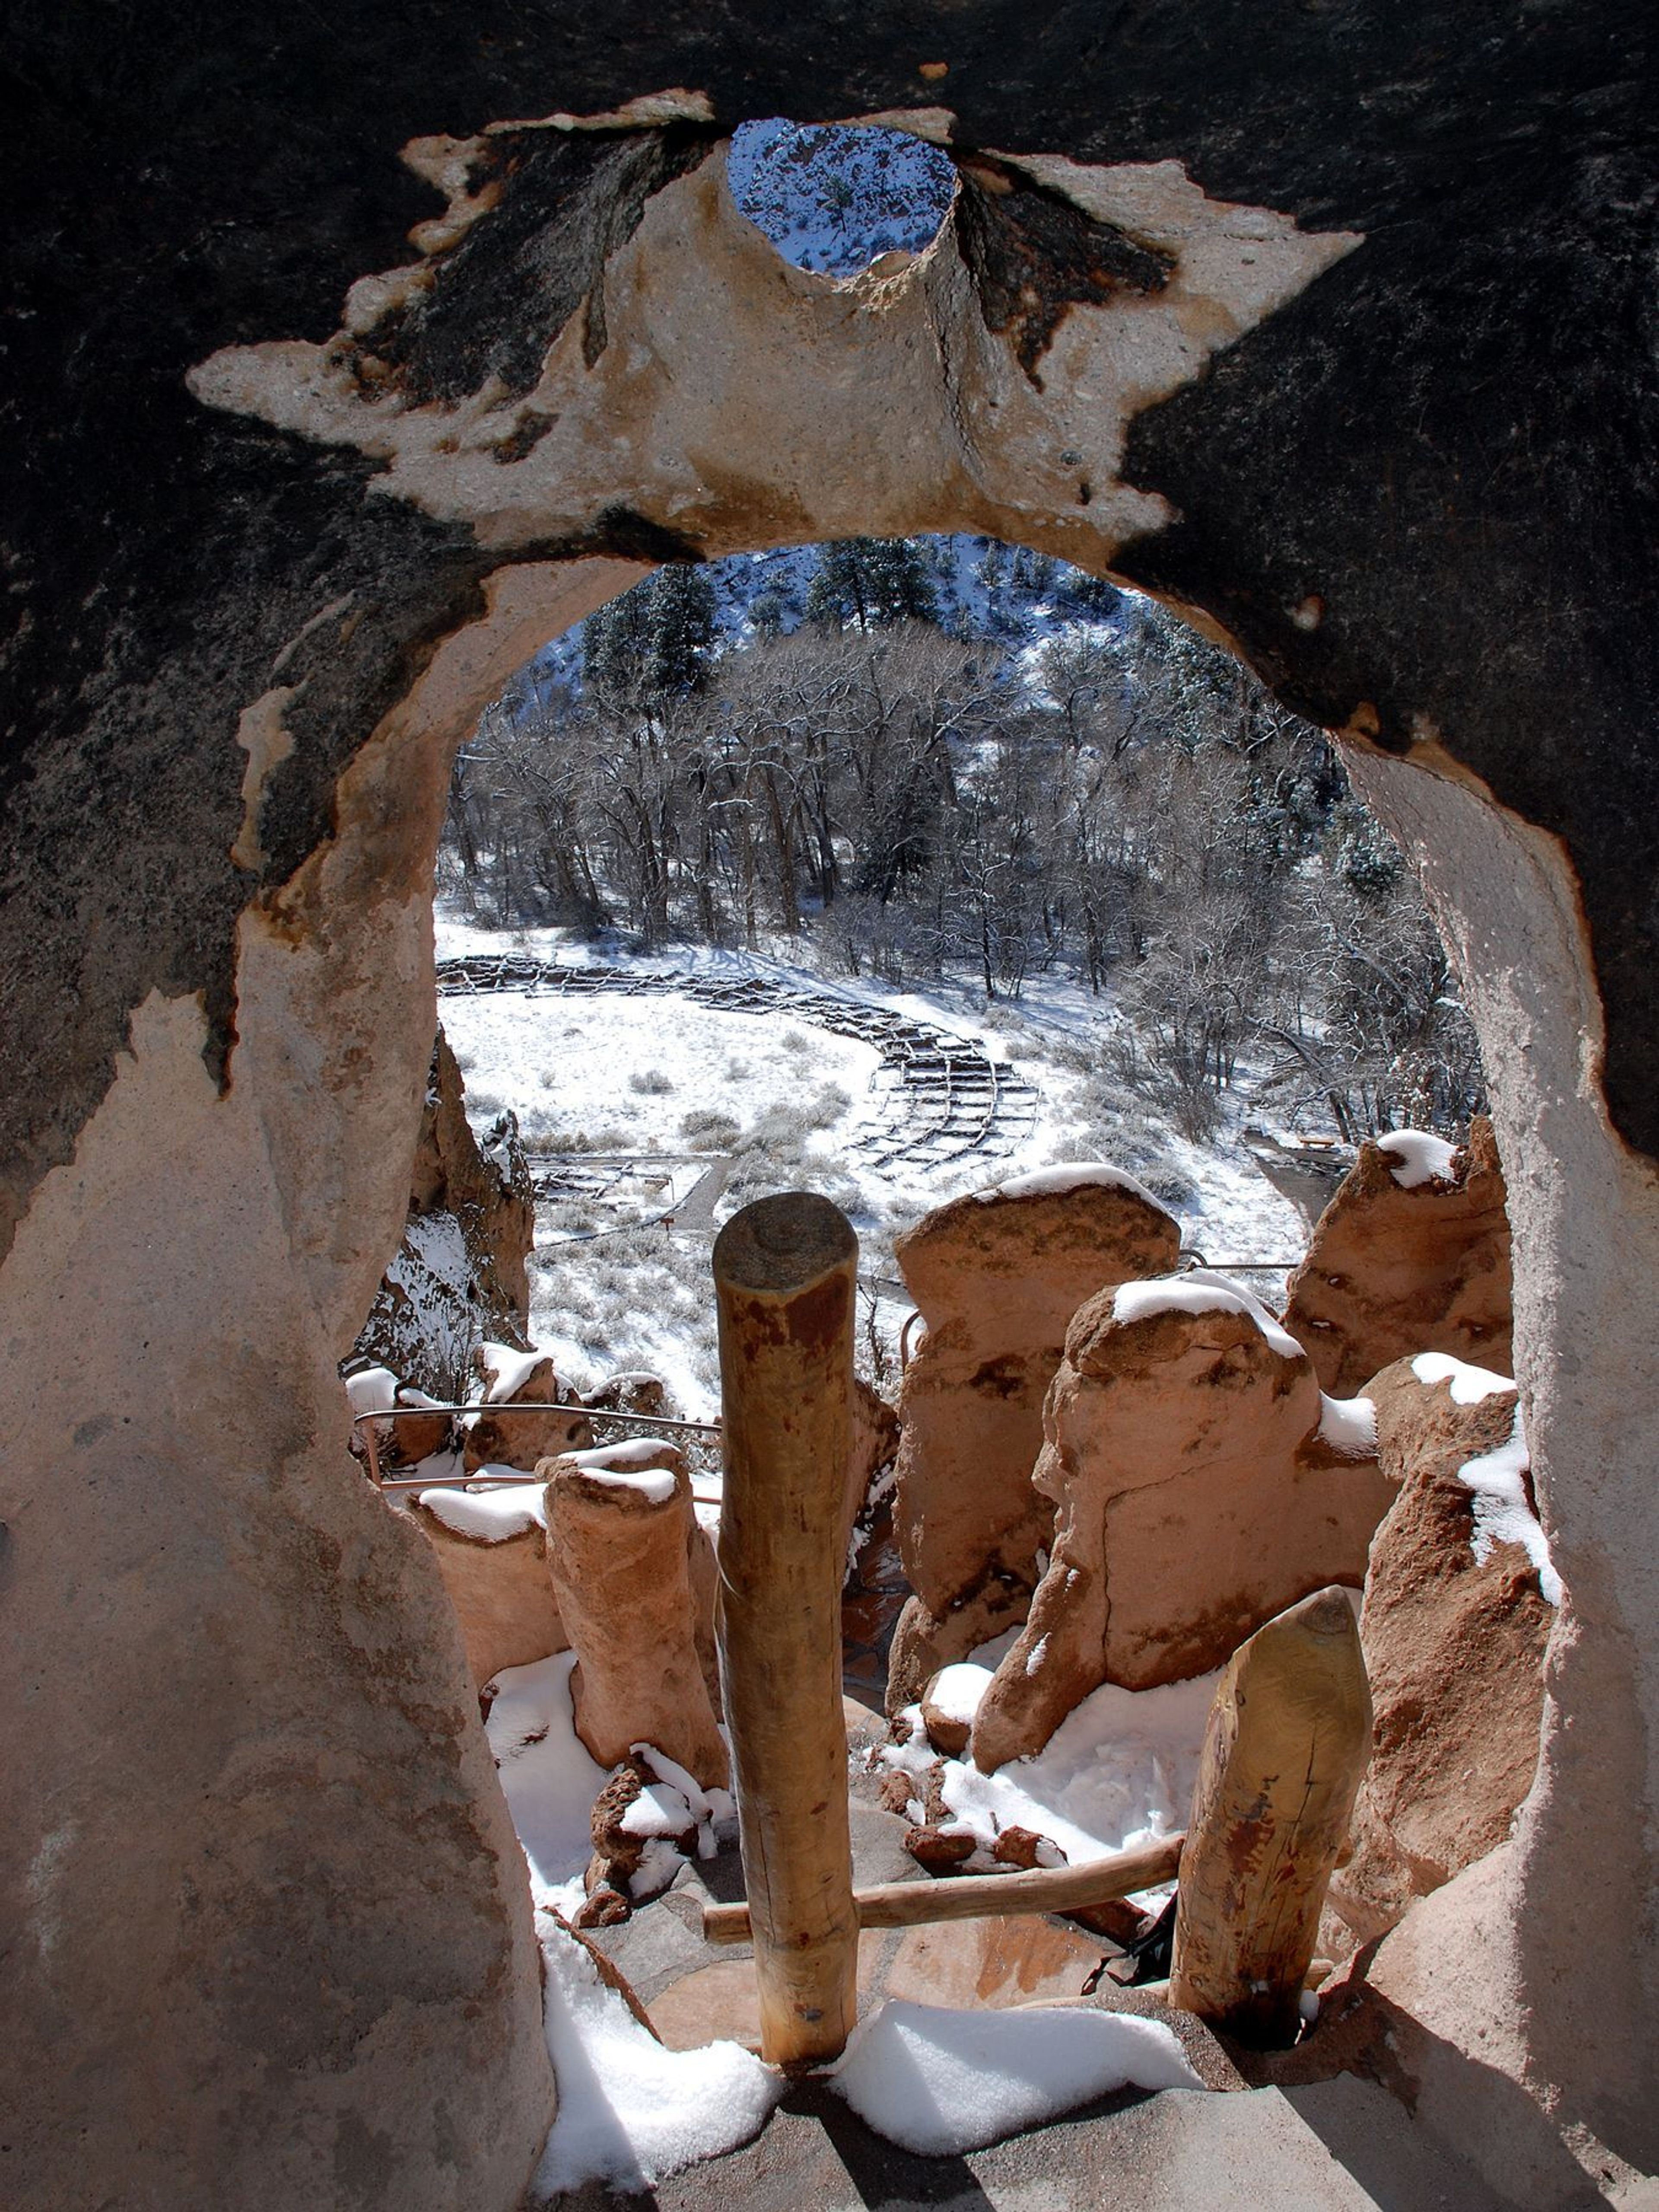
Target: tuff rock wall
{"x":1328,"y":325}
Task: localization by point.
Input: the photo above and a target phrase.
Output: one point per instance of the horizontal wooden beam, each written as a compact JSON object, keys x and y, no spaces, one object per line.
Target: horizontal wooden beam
{"x":983,"y":1896}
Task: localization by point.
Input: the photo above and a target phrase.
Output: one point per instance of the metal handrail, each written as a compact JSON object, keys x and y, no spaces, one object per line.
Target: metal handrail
{"x":515,"y":1405}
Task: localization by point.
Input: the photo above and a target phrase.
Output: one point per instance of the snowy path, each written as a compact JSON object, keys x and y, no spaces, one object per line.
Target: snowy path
{"x":946,"y":1097}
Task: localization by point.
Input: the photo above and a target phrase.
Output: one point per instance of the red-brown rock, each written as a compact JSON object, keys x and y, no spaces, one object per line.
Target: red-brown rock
{"x":875,"y":1442}
{"x":1396,"y":1268}
{"x":634,"y":1391}
{"x":997,"y":1278}
{"x":947,"y":1732}
{"x":940,"y":1851}
{"x":620,"y":1545}
{"x":1454,"y":1648}
{"x":523,"y":1439}
{"x":491,"y":1549}
{"x":1196,"y":1498}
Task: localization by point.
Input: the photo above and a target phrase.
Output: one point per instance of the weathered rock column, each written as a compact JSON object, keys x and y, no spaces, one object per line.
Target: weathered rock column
{"x":1545,"y":1977}
{"x":1402,"y":1261}
{"x":1197,"y":1494}
{"x":618,"y":1541}
{"x":998,"y":1276}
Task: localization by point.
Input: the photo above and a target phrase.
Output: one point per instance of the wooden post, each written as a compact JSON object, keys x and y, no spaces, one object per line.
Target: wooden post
{"x":985,"y":1896}
{"x":785,"y":1272}
{"x":1289,"y":1736}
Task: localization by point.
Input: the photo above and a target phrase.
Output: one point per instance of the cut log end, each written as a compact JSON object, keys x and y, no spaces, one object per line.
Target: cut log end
{"x":780,"y":1246}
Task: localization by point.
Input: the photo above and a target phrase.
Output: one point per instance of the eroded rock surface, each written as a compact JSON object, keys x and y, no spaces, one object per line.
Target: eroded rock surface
{"x":621,"y":1540}
{"x":1201,"y":1484}
{"x":491,"y":1549}
{"x":997,"y":1277}
{"x":241,"y":659}
{"x":875,"y":1442}
{"x":522,"y":1439}
{"x":1411,"y":1255}
{"x":458,"y":1276}
{"x":1454,"y":1626}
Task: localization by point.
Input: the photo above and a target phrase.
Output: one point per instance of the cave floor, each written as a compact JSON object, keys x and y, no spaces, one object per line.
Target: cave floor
{"x":1341,"y":2144}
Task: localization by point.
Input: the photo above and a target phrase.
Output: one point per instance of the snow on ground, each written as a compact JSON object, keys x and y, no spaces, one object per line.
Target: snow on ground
{"x":940,"y":2083}
{"x":789,"y":1101}
{"x":935,"y":2081}
{"x":629,"y":1075}
{"x":1118,"y":1772}
{"x":631,"y":2112}
{"x":548,"y":1775}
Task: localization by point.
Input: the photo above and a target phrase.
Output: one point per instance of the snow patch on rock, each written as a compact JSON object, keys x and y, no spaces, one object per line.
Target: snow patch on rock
{"x":508,"y":1369}
{"x":1348,"y":1425}
{"x":1468,"y":1384}
{"x":1201,"y":1290}
{"x":490,"y":1516}
{"x":1055,"y":1181}
{"x":1501,"y":1515}
{"x":372,"y":1390}
{"x":654,"y":1483}
{"x":1423,"y":1156}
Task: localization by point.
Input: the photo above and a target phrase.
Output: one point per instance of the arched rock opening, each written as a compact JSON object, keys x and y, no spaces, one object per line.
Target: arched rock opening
{"x":252,"y":1772}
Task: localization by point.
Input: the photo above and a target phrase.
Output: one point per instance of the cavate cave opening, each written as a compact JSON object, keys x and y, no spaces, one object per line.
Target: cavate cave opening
{"x":923,"y":873}
{"x":1081,"y":970}
{"x":1029,"y":678}
{"x":836,"y":199}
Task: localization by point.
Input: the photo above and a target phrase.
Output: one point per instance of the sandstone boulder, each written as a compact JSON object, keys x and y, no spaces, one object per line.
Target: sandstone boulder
{"x":634,"y":1391}
{"x":641,"y":1455}
{"x":1454,"y":1622}
{"x":1411,"y":1255}
{"x":419,"y":1428}
{"x":491,"y":1549}
{"x":1202,"y":1484}
{"x":997,"y":1277}
{"x":511,"y":1377}
{"x":621,"y":1545}
{"x":623,"y":1454}
{"x":947,"y":1717}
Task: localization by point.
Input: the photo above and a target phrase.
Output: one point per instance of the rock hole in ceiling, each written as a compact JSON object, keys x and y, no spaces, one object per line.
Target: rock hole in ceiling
{"x":834,"y":197}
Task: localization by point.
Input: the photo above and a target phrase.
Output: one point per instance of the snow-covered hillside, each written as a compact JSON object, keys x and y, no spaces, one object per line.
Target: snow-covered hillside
{"x":789,"y":1103}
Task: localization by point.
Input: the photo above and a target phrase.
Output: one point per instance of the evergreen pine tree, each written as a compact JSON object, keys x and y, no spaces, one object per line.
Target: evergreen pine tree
{"x":613,"y":644}
{"x":837,"y":593}
{"x":901,"y":586}
{"x":871,"y":581}
{"x":679,"y":629}
{"x":655,"y":638}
